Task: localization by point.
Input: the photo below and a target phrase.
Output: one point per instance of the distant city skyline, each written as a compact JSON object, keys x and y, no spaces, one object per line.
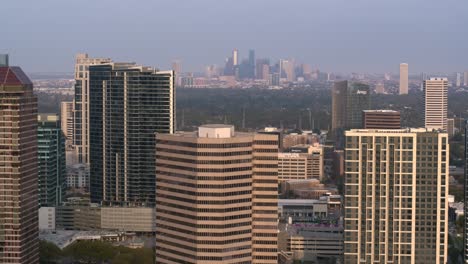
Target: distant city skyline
{"x":339,"y":36}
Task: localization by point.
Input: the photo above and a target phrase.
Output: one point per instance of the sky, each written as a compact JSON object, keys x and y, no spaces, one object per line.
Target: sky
{"x":345,"y":36}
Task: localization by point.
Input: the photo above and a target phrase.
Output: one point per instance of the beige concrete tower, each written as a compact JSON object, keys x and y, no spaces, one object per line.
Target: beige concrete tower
{"x":404,"y":78}
{"x":435,"y":102}
{"x":396,"y":196}
{"x":216,"y":197}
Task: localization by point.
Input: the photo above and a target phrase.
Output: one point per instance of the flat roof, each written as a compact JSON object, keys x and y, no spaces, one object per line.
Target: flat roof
{"x":282,"y":202}
{"x":217,"y":126}
{"x":381,"y":111}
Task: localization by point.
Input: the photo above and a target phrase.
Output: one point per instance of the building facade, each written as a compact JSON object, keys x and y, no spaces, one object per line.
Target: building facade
{"x":52,"y":165}
{"x":435,"y":102}
{"x":19,"y":238}
{"x":339,"y":93}
{"x":81,"y":105}
{"x":381,"y":119}
{"x":357,"y":100}
{"x":67,"y":121}
{"x":216,"y":197}
{"x":78,"y":176}
{"x":128,"y":104}
{"x":302,"y":162}
{"x":349,"y":99}
{"x":396,"y":196}
{"x":4,"y":60}
{"x":404,"y":78}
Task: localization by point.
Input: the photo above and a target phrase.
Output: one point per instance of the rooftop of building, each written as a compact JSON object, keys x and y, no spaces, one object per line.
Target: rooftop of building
{"x":217,"y":126}
{"x":211,"y":131}
{"x":283,"y":202}
{"x":381,"y":111}
{"x":12,"y":75}
{"x":391,"y":131}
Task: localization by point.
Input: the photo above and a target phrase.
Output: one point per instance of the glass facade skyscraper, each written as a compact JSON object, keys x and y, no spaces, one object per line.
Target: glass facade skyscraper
{"x":51,"y":155}
{"x":357,"y":100}
{"x":81,"y":105}
{"x":349,"y":99}
{"x":128,"y":105}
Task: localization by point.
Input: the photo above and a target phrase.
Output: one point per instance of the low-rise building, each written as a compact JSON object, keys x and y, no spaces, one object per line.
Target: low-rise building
{"x":315,"y":242}
{"x":306,"y":189}
{"x":309,"y":210}
{"x":301,"y":162}
{"x":78,"y":176}
{"x":127,"y":219}
{"x":47,"y":218}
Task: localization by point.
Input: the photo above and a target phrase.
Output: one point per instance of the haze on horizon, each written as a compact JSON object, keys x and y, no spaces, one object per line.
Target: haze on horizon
{"x":332,"y":35}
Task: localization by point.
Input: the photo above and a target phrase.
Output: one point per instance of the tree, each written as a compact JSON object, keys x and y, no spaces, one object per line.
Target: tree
{"x":49,"y":253}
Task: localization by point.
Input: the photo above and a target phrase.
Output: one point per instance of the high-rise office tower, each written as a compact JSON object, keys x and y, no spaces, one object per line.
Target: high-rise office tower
{"x":349,"y":99}
{"x":274,"y":79}
{"x":381,"y":119}
{"x":423,"y":78}
{"x":19,"y":237}
{"x":51,"y":155}
{"x":67,"y":121}
{"x":177,"y":67}
{"x":262,"y":69}
{"x":128,"y":104}
{"x":396,"y":196}
{"x":216,"y":196}
{"x":357,"y":100}
{"x":229,"y":67}
{"x":235,"y":58}
{"x":339,"y":94}
{"x":458,"y":79}
{"x":4,"y":60}
{"x":465,"y":78}
{"x":265,"y":72}
{"x":81,"y":105}
{"x":252,"y":64}
{"x":287,"y":70}
{"x":403,"y":78}
{"x":435,"y":97}
{"x":450,"y":127}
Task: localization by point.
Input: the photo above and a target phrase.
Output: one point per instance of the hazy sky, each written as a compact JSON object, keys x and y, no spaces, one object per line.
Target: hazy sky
{"x":332,"y":35}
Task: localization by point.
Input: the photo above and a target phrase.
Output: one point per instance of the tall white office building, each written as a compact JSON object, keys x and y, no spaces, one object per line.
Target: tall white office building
{"x":404,"y":78}
{"x":235,"y":59}
{"x":435,"y":103}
